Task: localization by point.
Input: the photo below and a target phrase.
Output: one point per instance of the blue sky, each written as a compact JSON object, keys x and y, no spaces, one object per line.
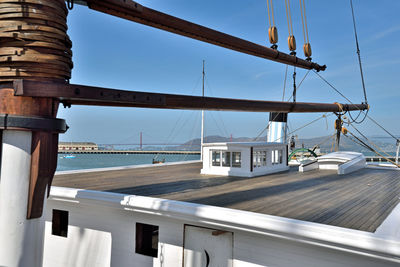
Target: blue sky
{"x":114,"y":53}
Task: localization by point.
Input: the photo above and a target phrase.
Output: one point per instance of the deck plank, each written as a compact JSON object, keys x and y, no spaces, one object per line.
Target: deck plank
{"x":361,"y":200}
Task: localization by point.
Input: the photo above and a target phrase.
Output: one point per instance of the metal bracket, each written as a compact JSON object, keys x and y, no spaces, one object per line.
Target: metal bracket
{"x":32,"y":123}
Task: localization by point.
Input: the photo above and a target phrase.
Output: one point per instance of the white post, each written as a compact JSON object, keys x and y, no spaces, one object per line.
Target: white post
{"x":202,"y":123}
{"x":21,"y":240}
{"x":397,"y":151}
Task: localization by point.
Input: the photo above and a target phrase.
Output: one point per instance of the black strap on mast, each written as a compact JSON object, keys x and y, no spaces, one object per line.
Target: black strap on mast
{"x":294,"y":85}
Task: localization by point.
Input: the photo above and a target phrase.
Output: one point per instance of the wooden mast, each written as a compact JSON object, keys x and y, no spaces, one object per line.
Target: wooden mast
{"x":35,"y":46}
{"x":35,"y":67}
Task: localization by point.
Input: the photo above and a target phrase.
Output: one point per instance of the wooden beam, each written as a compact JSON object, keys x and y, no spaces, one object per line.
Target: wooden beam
{"x":73,"y":94}
{"x":43,"y":166}
{"x":135,"y":12}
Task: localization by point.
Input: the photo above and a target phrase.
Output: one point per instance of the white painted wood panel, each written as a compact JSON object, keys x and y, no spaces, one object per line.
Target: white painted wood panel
{"x":102,"y":233}
{"x":202,"y":248}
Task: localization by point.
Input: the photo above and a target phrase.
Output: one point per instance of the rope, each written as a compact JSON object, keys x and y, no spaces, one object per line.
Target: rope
{"x":376,"y":146}
{"x":301,"y":127}
{"x":271,"y":16}
{"x":301,"y":82}
{"x":340,"y":106}
{"x":272,"y":12}
{"x":294,"y":84}
{"x":284,"y":84}
{"x":326,"y":139}
{"x":218,"y":114}
{"x":304,"y":21}
{"x":298,"y":87}
{"x":358,"y":52}
{"x":289,"y":17}
{"x":366,"y":113}
{"x":373,"y":150}
{"x":333,"y":87}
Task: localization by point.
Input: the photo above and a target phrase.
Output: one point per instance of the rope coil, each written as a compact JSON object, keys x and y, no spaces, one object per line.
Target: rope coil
{"x":33,"y":40}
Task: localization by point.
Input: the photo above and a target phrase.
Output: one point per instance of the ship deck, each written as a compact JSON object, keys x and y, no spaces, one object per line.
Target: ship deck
{"x":360,"y":200}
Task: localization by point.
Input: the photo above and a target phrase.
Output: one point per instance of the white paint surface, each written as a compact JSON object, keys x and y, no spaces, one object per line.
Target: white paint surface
{"x":245,"y":169}
{"x":102,"y":226}
{"x":277,"y":132}
{"x":390,"y":228}
{"x":203,"y":249}
{"x":21,"y":240}
{"x":343,"y":162}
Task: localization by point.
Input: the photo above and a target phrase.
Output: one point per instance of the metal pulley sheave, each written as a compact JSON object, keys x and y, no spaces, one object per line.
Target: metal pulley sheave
{"x":307,"y":50}
{"x":273,"y":36}
{"x":292,"y":43}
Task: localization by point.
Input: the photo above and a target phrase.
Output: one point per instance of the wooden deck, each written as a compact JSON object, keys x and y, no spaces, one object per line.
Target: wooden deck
{"x":361,"y":200}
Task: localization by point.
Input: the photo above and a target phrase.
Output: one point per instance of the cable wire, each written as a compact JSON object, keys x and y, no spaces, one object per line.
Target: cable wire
{"x":366,"y":113}
{"x":358,"y":52}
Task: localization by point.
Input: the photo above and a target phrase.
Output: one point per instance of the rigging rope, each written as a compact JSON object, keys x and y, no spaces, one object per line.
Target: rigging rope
{"x":271,"y":17}
{"x":358,"y":52}
{"x":284,"y":83}
{"x":372,"y":149}
{"x":289,"y":17}
{"x":291,"y":39}
{"x":366,"y":113}
{"x":298,"y":87}
{"x":301,"y":82}
{"x":307,"y":45}
{"x":368,"y":140}
{"x":324,"y":140}
{"x":307,"y":124}
{"x":294,"y":84}
{"x":304,"y":20}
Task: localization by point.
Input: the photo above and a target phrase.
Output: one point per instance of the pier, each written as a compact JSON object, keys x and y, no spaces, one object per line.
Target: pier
{"x":164,"y":152}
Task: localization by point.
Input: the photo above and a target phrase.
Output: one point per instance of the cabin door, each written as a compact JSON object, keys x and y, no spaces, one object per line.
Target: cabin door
{"x":204,"y":247}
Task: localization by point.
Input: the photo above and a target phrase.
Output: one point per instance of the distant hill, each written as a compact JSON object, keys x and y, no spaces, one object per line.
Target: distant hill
{"x":194,"y":144}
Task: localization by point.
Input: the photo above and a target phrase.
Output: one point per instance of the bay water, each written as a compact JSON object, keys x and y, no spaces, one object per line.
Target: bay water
{"x":90,"y":161}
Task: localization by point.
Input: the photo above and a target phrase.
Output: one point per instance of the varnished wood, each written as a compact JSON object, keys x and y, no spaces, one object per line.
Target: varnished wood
{"x":73,"y":94}
{"x":361,"y":200}
{"x":26,"y":106}
{"x":133,"y":11}
{"x":43,"y":166}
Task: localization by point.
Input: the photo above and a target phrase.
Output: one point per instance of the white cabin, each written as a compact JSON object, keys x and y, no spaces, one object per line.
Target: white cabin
{"x":245,"y":159}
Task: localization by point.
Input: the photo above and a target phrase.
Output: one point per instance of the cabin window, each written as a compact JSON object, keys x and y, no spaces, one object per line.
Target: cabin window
{"x":259,"y":159}
{"x":216,"y":157}
{"x":226,"y":159}
{"x":236,"y":159}
{"x":277,"y":157}
{"x":255,"y":159}
{"x":146,"y":239}
{"x":60,"y":223}
{"x":273,"y":160}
